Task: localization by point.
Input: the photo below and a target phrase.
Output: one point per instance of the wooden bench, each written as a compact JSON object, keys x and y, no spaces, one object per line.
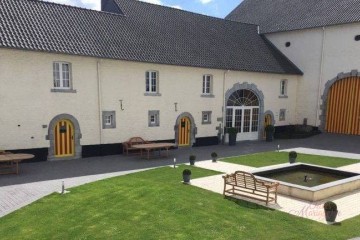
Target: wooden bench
{"x":246,"y":185}
{"x":128,"y":146}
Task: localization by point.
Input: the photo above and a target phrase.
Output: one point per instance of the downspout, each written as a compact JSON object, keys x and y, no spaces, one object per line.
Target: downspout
{"x":320,"y":77}
{"x":99,"y":100}
{"x":224,"y":107}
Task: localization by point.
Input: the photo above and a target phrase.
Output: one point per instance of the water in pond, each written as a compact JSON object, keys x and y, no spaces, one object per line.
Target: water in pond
{"x":303,"y":177}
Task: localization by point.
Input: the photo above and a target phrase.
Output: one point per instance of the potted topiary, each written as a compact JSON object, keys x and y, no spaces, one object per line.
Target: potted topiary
{"x":330,"y":211}
{"x":292,"y":157}
{"x":269,"y":130}
{"x":186,"y":175}
{"x":214,"y":156}
{"x":232,"y":136}
{"x":192,"y":159}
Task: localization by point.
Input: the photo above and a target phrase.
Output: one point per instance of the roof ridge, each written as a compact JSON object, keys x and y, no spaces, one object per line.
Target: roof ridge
{"x":71,"y":6}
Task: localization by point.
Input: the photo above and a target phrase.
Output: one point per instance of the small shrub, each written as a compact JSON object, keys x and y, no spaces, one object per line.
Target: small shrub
{"x":214,"y":154}
{"x":187,"y":172}
{"x":330,"y":206}
{"x":231,"y":130}
{"x":292,"y":154}
{"x":192,"y":157}
{"x":270,"y":128}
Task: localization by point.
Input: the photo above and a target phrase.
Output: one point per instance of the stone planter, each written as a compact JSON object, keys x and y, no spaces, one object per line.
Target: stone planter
{"x":330,"y":216}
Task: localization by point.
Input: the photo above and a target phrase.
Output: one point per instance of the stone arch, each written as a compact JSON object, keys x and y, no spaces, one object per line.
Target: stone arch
{"x":269,"y":112}
{"x":193,"y":128}
{"x":324,"y":97}
{"x":252,"y":87}
{"x":51,"y":137}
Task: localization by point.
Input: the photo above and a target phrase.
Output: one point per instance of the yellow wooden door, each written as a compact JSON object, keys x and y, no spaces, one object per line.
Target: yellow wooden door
{"x":268,"y":121}
{"x":64,"y":139}
{"x":343,"y":108}
{"x":184,"y":132}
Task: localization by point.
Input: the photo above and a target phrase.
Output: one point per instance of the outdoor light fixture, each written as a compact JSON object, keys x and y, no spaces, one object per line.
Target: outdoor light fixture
{"x":121,"y":105}
{"x":63,"y":188}
{"x":174,"y":162}
{"x":278,"y":148}
{"x":176,"y":106}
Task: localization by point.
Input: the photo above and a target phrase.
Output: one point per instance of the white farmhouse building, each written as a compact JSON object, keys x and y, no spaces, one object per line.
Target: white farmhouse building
{"x":78,"y":82}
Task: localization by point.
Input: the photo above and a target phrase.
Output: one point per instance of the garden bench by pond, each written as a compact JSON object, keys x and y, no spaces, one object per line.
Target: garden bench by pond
{"x":246,"y":185}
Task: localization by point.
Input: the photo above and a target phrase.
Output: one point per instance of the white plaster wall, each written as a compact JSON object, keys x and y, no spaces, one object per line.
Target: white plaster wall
{"x":341,"y":54}
{"x":26,"y":79}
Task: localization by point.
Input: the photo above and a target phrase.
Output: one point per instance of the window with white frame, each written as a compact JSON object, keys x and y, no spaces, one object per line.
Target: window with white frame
{"x":152,"y":82}
{"x":207,"y":84}
{"x":206,"y":117}
{"x":109,"y":120}
{"x":154,"y":118}
{"x":283,"y":88}
{"x":62,"y":75}
{"x":282,"y":115}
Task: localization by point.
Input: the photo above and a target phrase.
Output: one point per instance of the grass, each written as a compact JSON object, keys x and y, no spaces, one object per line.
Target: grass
{"x":272,"y":158}
{"x":156,"y":205}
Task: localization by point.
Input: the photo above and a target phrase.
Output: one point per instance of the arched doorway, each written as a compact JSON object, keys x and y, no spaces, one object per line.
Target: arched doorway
{"x":242,"y":113}
{"x":64,"y":136}
{"x":343,"y":106}
{"x":185,"y":130}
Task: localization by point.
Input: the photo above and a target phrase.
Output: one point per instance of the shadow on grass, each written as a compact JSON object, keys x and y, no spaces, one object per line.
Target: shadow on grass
{"x":247,"y":204}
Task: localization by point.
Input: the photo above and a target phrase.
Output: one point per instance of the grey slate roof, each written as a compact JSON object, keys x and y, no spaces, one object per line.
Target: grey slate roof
{"x":286,"y":15}
{"x":145,"y":33}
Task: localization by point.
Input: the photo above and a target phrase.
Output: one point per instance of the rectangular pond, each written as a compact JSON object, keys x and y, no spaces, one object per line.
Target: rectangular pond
{"x":310,"y":182}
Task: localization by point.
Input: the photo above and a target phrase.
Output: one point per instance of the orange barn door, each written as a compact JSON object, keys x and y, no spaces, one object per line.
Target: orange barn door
{"x":343,"y":108}
{"x":64,"y":139}
{"x":184,"y":132}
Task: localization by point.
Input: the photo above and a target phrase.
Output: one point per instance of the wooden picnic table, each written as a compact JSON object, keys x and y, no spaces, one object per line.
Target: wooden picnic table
{"x":11,"y":161}
{"x":148,"y":147}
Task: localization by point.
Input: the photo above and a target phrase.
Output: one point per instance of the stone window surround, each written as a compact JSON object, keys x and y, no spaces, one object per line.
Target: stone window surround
{"x":64,"y":90}
{"x":155,"y":113}
{"x":285,"y":90}
{"x":282,"y":115}
{"x":113,"y":123}
{"x":209,"y":117}
{"x":210,"y":94}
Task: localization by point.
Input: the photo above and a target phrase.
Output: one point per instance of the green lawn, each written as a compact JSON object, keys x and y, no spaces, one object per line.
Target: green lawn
{"x":156,"y":205}
{"x":272,"y":158}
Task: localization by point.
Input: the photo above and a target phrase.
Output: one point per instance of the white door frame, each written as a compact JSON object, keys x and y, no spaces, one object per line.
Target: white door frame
{"x":242,"y":136}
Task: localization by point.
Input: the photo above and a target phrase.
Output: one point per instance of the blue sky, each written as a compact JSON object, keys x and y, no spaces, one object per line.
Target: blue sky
{"x":216,"y":8}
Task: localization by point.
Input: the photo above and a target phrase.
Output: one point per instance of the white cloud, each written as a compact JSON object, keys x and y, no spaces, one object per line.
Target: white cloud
{"x":93,"y":4}
{"x":177,"y":7}
{"x":205,"y":1}
{"x":158,"y":2}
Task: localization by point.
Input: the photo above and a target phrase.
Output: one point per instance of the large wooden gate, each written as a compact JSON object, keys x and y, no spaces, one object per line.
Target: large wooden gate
{"x":343,"y":107}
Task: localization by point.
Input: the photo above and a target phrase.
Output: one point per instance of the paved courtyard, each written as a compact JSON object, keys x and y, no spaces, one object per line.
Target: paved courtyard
{"x":37,"y":180}
{"x":348,"y":204}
